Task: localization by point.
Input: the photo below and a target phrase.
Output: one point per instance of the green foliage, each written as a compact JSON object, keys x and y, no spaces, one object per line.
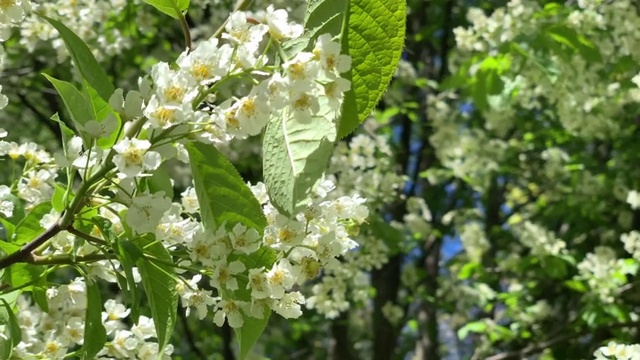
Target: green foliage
{"x":159,"y":283}
{"x":472,"y":327}
{"x":374,"y":38}
{"x":94,"y":330}
{"x":12,"y":333}
{"x":250,"y":332}
{"x":295,"y":155}
{"x":128,"y":255}
{"x":30,"y":227}
{"x":321,"y":17}
{"x":23,"y":275}
{"x":84,"y":60}
{"x":173,"y":8}
{"x":74,"y":101}
{"x":223,"y":196}
{"x":391,"y":236}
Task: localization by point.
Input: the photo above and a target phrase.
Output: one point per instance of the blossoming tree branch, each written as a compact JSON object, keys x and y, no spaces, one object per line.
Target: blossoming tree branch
{"x":105,"y":211}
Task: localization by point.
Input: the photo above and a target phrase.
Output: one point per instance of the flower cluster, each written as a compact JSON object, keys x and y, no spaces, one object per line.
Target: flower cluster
{"x":52,"y":334}
{"x":86,"y":18}
{"x":302,"y":246}
{"x":224,"y":88}
{"x":615,"y":351}
{"x":363,"y":166}
{"x":36,"y":183}
{"x":604,"y":272}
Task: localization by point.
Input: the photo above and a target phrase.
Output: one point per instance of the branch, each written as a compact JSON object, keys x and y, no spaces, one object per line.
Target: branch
{"x":68,"y":259}
{"x":535,"y":348}
{"x":24,"y":254}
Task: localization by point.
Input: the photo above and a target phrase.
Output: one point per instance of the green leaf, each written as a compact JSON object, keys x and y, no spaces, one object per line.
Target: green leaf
{"x":84,"y":60}
{"x":321,"y":17}
{"x":173,"y":8}
{"x":8,"y":248}
{"x":73,"y":99}
{"x":29,"y":228}
{"x":9,"y":229}
{"x":21,"y":274}
{"x":66,"y":133}
{"x":294,"y":157}
{"x":57,"y":200}
{"x":160,"y":181}
{"x":252,"y":328}
{"x":576,"y":285}
{"x":374,"y":38}
{"x":250,"y":332}
{"x":224,"y":197}
{"x":129,"y":255}
{"x":222,"y":193}
{"x":11,"y":331}
{"x":160,"y":286}
{"x":467,"y":270}
{"x":554,"y":267}
{"x":475,"y":327}
{"x":94,"y":332}
{"x":574,"y":41}
{"x":100,"y":111}
{"x":40,"y":297}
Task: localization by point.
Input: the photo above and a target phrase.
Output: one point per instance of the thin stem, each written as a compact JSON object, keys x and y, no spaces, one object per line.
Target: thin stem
{"x":68,"y":259}
{"x":168,"y":263}
{"x":89,"y":238}
{"x":186,"y":32}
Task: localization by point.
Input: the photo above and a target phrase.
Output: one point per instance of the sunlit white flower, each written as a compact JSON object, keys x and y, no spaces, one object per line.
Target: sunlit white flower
{"x":253,"y":112}
{"x":172,"y":87}
{"x":328,"y":53}
{"x":279,"y":26}
{"x":289,"y":305}
{"x":302,"y":67}
{"x":241,"y":32}
{"x":230,"y":310}
{"x":35,"y":186}
{"x":224,"y":275}
{"x":207,"y":63}
{"x":190,"y":202}
{"x":633,"y":199}
{"x":244,"y":239}
{"x":133,"y":157}
{"x":6,"y":205}
{"x":281,"y":277}
{"x":74,"y":331}
{"x":173,"y":229}
{"x":258,"y":283}
{"x":144,"y":329}
{"x":146,"y":211}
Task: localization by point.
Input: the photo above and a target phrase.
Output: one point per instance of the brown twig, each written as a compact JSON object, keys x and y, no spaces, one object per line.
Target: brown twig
{"x":25,"y":252}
